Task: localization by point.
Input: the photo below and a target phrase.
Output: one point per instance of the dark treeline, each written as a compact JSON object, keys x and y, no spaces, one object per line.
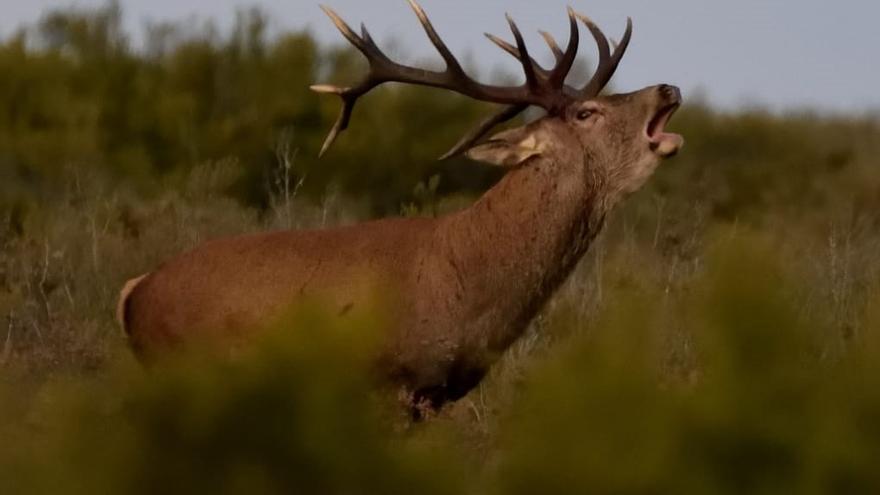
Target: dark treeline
{"x":74,"y":93}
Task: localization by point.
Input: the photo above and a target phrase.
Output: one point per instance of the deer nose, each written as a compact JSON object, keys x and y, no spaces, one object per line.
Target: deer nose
{"x":669,"y":93}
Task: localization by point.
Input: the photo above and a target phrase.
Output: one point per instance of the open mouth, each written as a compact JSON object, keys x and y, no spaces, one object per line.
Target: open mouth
{"x":665,"y":144}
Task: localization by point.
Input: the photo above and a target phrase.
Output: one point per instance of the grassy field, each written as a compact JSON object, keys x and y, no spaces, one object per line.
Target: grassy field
{"x":721,"y":336}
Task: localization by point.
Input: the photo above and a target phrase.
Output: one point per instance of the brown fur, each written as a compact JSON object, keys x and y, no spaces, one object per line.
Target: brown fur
{"x":464,"y":286}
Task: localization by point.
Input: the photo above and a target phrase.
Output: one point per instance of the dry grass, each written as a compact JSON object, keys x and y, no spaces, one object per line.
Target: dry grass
{"x":630,"y":341}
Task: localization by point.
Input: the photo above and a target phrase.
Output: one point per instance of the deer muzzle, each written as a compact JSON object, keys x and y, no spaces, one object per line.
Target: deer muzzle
{"x":664,"y":144}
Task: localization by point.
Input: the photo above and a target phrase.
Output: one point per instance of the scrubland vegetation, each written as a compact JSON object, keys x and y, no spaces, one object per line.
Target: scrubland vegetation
{"x":722,"y":335}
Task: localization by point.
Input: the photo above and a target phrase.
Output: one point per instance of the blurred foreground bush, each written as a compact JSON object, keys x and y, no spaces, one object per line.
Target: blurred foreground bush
{"x":297,"y":415}
{"x":761,"y":413}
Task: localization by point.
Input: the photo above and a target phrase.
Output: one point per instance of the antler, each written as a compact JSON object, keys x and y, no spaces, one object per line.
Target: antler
{"x":607,"y":62}
{"x":544,"y":88}
{"x":607,"y":65}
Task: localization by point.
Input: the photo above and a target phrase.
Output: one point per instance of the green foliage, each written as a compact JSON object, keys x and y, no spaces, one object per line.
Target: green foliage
{"x":761,"y":411}
{"x":73,"y":92}
{"x":296,"y":415}
{"x":740,"y":165}
{"x":764,"y":414}
{"x":721,"y":336}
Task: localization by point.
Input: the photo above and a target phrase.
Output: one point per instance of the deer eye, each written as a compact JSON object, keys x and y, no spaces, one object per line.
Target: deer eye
{"x":584,"y":114}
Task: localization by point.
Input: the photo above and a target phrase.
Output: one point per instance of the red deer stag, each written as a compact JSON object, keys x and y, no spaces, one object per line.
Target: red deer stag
{"x":468,"y":283}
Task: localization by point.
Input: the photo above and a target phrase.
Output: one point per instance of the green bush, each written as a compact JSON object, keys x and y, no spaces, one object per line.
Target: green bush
{"x":763,"y":412}
{"x":763,"y":409}
{"x":721,"y":336}
{"x":297,"y":415}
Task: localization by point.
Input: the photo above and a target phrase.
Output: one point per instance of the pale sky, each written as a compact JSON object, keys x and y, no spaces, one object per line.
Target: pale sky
{"x":787,"y":54}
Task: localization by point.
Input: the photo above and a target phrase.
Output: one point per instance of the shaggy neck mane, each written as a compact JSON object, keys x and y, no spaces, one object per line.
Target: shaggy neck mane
{"x":519,"y":242}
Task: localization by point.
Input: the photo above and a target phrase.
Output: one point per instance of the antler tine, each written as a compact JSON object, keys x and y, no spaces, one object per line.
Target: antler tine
{"x":566,"y":61}
{"x":340,"y":125}
{"x":620,"y":48}
{"x":524,"y":58}
{"x":365,"y":35}
{"x":507,"y":47}
{"x":349,"y":96}
{"x":485,"y":126}
{"x":604,"y":55}
{"x":607,"y":62}
{"x":605,"y":72}
{"x":345,"y":29}
{"x":554,"y":47}
{"x":512,"y":50}
{"x":452,"y":64}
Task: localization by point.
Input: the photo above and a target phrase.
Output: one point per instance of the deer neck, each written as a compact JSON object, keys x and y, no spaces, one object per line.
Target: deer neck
{"x":518,"y":242}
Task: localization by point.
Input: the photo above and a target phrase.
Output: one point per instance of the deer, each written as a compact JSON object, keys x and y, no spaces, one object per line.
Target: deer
{"x":466,"y":284}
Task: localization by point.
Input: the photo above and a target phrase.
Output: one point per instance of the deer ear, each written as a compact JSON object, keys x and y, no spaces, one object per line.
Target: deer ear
{"x":507,"y":149}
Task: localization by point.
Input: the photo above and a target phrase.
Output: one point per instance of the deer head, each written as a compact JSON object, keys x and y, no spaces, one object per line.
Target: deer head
{"x":618,"y":140}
